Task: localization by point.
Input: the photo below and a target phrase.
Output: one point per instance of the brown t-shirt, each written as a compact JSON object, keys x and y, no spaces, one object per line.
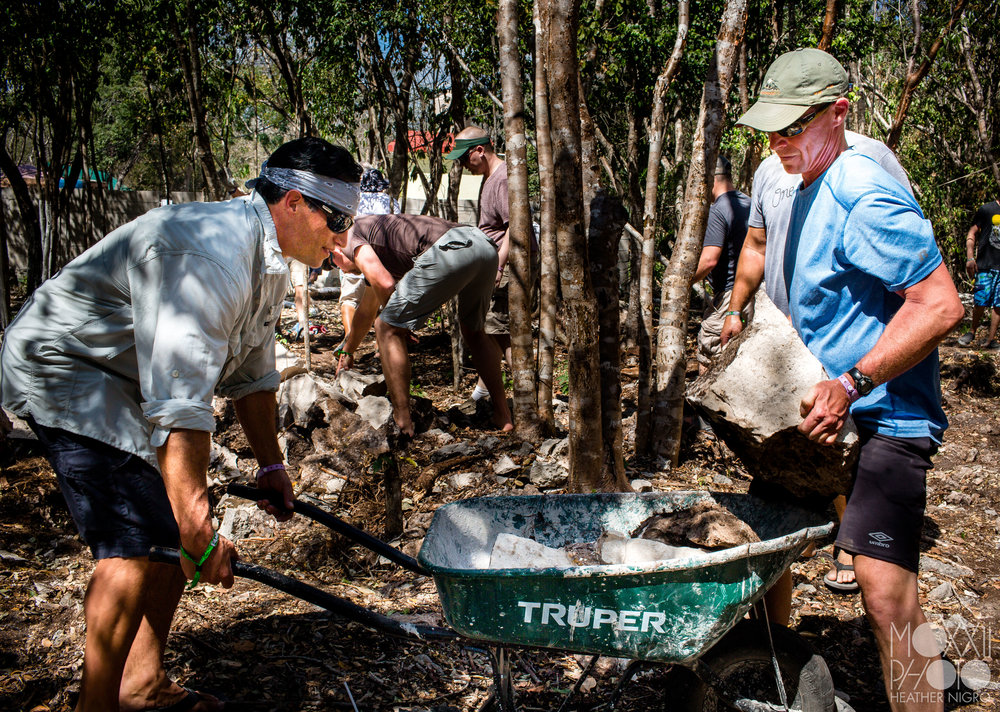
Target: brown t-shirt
{"x":494,"y":211}
{"x":397,"y":239}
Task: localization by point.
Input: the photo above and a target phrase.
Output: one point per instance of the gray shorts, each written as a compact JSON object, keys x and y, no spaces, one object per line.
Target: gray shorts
{"x":463,"y":263}
{"x":352,"y":288}
{"x":713,"y":319}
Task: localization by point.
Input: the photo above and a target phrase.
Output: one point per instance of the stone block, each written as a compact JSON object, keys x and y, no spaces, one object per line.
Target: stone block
{"x":356,"y":385}
{"x":548,"y":474}
{"x":751,"y":395}
{"x":296,"y":397}
{"x":505,"y":466}
{"x":374,"y":410}
{"x":246,"y":520}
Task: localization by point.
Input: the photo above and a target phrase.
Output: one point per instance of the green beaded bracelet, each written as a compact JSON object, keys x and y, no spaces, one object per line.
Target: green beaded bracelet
{"x":204,"y":558}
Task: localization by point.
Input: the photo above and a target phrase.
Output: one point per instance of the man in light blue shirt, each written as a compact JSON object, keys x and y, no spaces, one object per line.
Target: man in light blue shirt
{"x":871,"y":298}
{"x":114,"y":363}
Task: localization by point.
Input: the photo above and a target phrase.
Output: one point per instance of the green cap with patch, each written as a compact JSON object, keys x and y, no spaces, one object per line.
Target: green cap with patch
{"x":464,"y":144}
{"x":794,"y":82}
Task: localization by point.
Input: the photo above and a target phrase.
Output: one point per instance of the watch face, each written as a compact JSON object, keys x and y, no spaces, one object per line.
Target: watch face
{"x":862,"y":383}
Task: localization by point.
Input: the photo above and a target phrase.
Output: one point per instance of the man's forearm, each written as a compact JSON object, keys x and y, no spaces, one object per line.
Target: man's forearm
{"x":970,"y":242}
{"x":930,"y":310}
{"x":183,"y":462}
{"x":749,"y":275}
{"x":257,"y":413}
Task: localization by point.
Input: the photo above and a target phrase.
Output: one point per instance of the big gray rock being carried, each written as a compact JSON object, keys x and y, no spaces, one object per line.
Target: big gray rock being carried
{"x":751,"y":395}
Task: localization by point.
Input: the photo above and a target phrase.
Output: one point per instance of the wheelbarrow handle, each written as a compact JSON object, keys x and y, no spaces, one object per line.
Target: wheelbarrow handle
{"x":338,"y":525}
{"x":319,"y":597}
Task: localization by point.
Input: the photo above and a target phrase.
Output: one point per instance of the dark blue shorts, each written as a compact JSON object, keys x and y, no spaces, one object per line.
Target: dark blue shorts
{"x":885,"y":508}
{"x":116,"y":499}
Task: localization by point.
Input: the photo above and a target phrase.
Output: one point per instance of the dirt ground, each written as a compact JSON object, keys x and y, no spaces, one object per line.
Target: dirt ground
{"x":268,"y":651}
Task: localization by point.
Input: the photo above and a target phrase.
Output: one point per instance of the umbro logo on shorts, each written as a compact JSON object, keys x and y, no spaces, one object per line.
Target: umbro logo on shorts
{"x":879,"y":539}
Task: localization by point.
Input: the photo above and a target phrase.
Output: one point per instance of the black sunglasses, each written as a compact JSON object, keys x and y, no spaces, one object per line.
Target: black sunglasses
{"x":336,"y":221}
{"x":794,"y":129}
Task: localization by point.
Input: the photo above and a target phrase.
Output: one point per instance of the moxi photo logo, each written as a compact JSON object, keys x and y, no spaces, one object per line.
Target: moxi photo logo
{"x":967,"y":647}
{"x":879,"y":539}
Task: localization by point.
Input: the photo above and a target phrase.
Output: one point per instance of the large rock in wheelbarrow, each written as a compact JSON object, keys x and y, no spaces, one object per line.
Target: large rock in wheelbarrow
{"x":751,"y":395}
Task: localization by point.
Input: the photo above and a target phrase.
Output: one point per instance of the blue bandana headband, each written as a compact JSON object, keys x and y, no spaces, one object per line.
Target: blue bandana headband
{"x":332,"y":191}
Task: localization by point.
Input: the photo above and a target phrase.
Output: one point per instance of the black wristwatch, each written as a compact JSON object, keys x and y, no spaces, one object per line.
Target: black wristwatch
{"x":862,"y":384}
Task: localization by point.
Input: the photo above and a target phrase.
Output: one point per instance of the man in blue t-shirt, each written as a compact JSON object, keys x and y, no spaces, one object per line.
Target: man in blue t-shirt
{"x":870,"y":297}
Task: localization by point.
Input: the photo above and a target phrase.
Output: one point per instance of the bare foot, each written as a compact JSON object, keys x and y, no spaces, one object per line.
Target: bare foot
{"x":504,"y":424}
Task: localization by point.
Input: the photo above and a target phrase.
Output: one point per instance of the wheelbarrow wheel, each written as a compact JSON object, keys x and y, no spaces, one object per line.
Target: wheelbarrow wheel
{"x":741,"y":663}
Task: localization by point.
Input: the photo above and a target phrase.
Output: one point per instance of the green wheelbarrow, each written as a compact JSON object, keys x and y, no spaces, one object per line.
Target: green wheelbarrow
{"x":687,"y":613}
{"x":669,"y":611}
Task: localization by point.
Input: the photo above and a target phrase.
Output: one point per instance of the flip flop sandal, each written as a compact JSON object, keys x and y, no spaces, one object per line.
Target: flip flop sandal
{"x":835,"y":585}
{"x":185,"y":704}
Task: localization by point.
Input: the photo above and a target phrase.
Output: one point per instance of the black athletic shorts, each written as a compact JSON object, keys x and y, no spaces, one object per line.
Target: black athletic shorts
{"x":116,"y":499}
{"x":885,"y":508}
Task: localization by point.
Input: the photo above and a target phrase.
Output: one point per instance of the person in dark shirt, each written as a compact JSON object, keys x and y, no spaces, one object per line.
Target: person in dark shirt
{"x":727,"y":226}
{"x":982,"y":247}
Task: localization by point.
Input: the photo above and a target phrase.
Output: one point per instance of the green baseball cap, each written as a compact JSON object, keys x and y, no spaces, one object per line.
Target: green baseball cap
{"x":794,"y":82}
{"x":464,"y":144}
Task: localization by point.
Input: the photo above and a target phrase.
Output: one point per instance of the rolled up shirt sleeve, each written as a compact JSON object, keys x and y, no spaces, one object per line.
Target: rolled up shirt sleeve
{"x":256,"y":373}
{"x":185,"y":306}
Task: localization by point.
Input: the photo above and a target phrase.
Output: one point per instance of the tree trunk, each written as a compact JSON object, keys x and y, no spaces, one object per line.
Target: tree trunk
{"x":590,"y":162}
{"x":520,"y":232}
{"x":649,"y":223}
{"x":585,"y":455}
{"x":549,"y":277}
{"x":671,"y":359}
{"x":188,"y":53}
{"x":629,"y":250}
{"x":457,"y":113}
{"x":4,"y":270}
{"x":829,"y":25}
{"x":29,"y":216}
{"x":978,"y":104}
{"x":607,"y":220}
{"x":914,"y":78}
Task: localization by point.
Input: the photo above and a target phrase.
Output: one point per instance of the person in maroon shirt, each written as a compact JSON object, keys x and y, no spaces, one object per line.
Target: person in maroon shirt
{"x":414,"y":264}
{"x":474,"y":150}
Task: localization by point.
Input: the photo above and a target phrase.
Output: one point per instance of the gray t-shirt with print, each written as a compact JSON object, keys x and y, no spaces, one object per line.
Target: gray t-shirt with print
{"x":771,"y":206}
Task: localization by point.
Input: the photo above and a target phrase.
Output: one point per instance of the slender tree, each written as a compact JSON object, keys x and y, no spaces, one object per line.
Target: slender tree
{"x":184,"y":27}
{"x":829,"y":25}
{"x":649,"y":224}
{"x":916,"y":73}
{"x":607,"y":220}
{"x":577,"y":291}
{"x":549,"y":277}
{"x":520,"y":230}
{"x":675,"y":295}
